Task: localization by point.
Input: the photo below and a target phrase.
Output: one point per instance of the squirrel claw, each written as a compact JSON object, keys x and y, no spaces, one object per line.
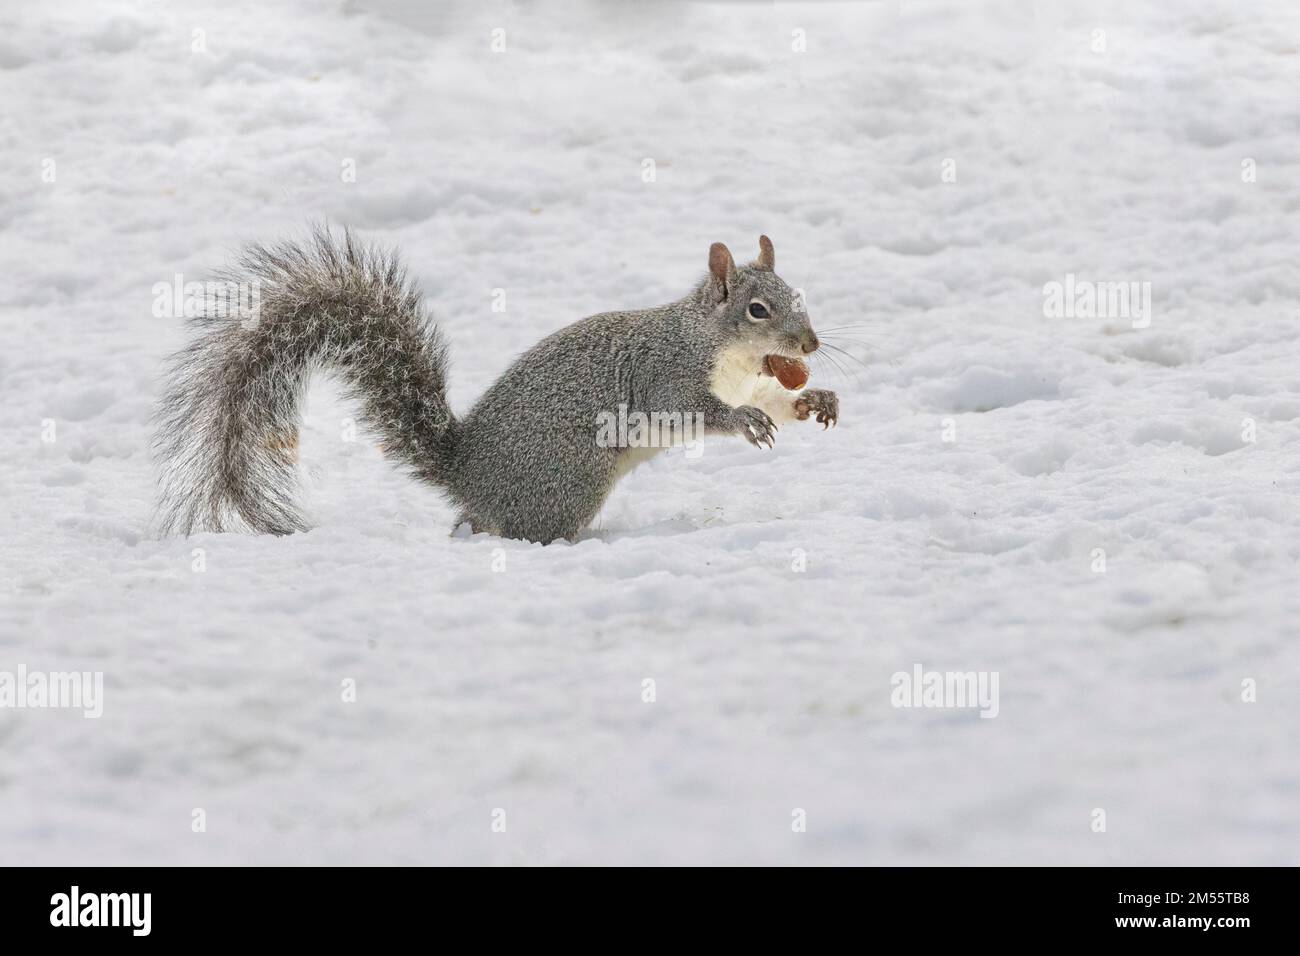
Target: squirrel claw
{"x":756,"y":426}
{"x":824,"y":404}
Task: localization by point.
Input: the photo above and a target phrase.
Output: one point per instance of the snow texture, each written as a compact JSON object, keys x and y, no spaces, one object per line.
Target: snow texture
{"x":924,"y":170}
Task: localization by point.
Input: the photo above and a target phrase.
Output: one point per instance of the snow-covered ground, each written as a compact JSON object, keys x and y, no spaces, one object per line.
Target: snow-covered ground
{"x":924,"y":170}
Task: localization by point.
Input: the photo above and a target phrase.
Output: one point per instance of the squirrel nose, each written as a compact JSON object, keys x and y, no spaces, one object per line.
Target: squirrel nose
{"x":810,"y":343}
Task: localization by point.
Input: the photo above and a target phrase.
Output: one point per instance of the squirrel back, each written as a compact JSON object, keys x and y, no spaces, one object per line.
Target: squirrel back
{"x":526,"y":460}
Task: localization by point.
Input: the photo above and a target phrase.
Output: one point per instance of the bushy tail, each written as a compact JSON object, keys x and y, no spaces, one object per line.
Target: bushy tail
{"x":227,"y":423}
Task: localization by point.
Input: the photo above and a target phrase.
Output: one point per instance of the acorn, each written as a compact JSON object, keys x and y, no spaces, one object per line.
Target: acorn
{"x":791,"y":373}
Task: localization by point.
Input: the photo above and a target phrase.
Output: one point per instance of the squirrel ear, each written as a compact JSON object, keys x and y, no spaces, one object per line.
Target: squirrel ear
{"x":766,"y":254}
{"x":722,"y":268}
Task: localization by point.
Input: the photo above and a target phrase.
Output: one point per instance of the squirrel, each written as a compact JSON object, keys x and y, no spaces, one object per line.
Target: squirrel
{"x":524,"y":462}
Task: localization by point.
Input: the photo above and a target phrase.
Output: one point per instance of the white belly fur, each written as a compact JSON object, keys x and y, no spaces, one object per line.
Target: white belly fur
{"x":737,"y":380}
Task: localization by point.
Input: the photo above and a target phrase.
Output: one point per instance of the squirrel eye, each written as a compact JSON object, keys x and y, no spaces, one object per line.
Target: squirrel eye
{"x":758,"y":310}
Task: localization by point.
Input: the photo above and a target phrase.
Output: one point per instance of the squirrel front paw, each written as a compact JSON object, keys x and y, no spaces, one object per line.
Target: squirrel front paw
{"x":824,"y":404}
{"x":755,"y":425}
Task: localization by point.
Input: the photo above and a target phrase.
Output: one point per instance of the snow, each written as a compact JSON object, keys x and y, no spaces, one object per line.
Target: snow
{"x":496,"y":674}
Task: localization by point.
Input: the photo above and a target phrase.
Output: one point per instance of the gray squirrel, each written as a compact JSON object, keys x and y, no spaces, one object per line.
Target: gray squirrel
{"x":524,"y":462}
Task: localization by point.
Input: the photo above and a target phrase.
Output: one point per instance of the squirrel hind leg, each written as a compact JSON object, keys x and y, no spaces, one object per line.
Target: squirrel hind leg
{"x":552,"y":528}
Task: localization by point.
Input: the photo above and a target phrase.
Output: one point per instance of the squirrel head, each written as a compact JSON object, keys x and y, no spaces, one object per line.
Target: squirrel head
{"x":754,"y":306}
